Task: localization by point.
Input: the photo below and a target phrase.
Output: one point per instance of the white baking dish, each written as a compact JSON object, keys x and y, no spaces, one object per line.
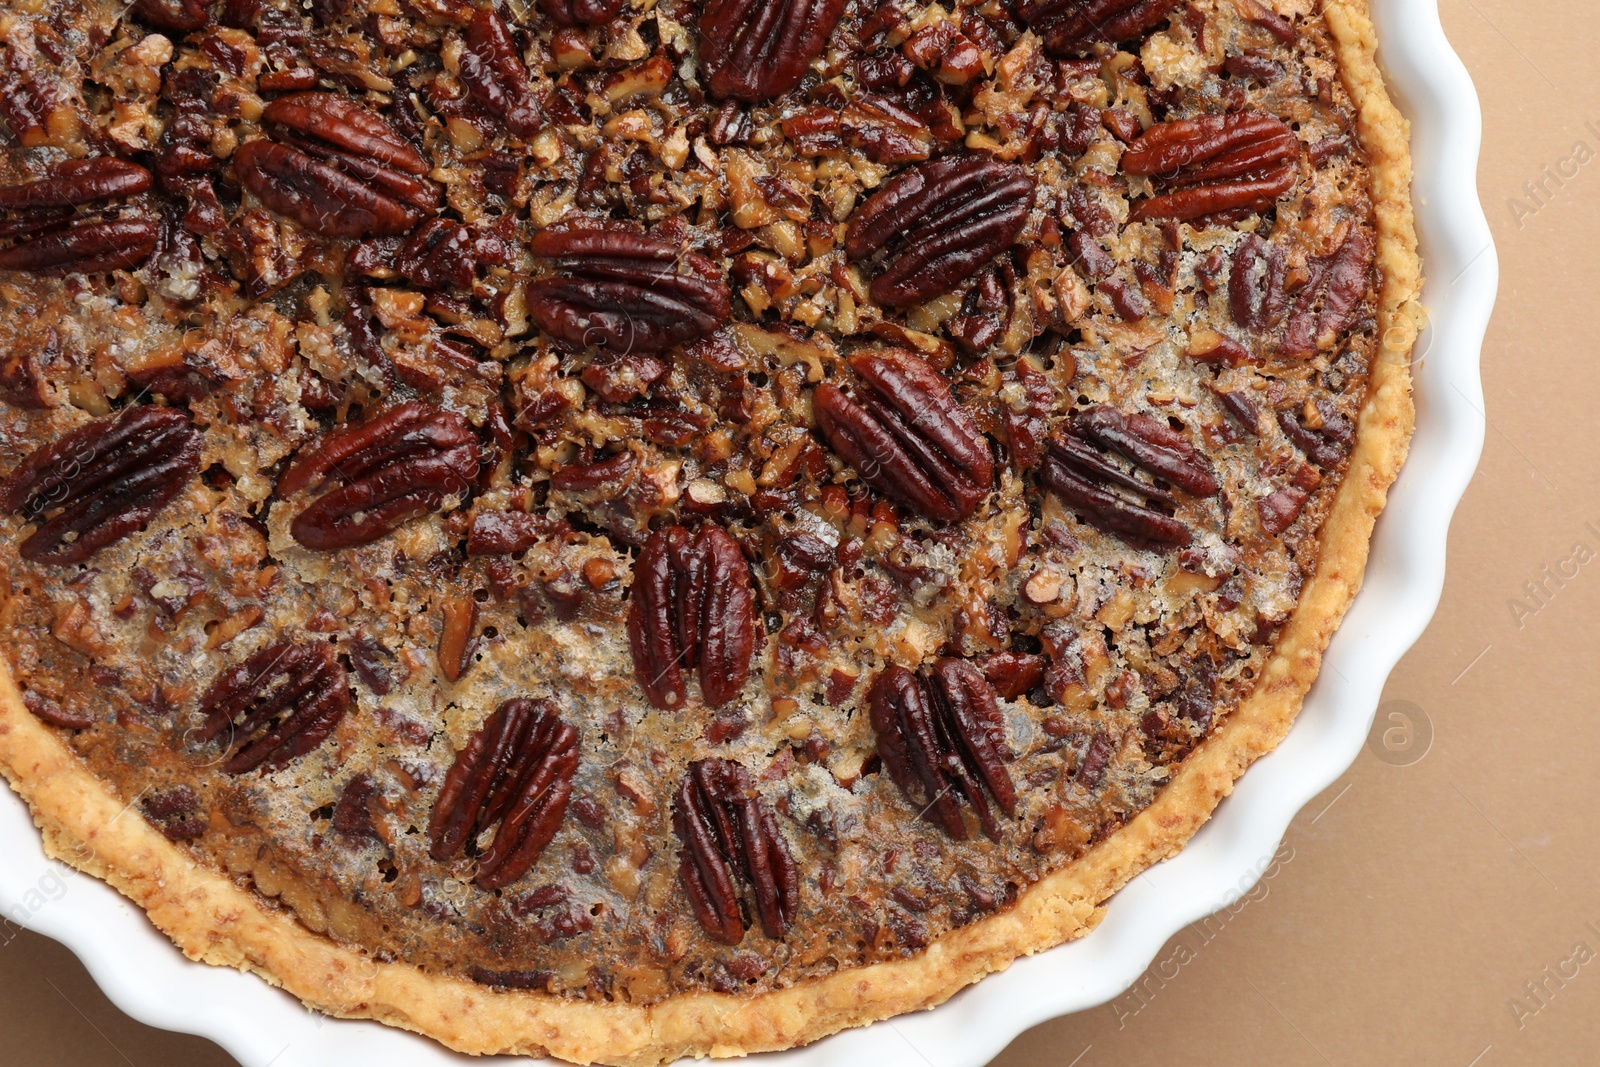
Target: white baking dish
{"x":141,"y":971}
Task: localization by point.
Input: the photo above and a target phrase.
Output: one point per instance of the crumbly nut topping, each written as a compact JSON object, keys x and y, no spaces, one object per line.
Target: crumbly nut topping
{"x":620,"y":498}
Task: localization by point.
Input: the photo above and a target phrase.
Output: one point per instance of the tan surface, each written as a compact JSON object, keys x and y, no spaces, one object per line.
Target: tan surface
{"x":1404,"y":931}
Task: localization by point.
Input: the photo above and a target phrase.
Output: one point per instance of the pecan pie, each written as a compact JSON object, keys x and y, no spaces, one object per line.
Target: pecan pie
{"x":642,"y":528}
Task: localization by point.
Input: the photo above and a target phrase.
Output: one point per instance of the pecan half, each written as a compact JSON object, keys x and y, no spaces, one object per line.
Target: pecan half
{"x":1117,"y":501}
{"x":580,"y":12}
{"x":729,"y":834}
{"x":49,"y":244}
{"x":938,"y":223}
{"x":495,"y":75}
{"x":281,"y":703}
{"x":693,"y":608}
{"x":391,"y":469}
{"x":1074,"y":27}
{"x":625,"y":291}
{"x":101,"y":482}
{"x":942,"y":739}
{"x":906,"y":435}
{"x":882,"y":129}
{"x":84,"y":248}
{"x":76,"y":182}
{"x":516,"y":771}
{"x":755,"y":50}
{"x":320,"y":197}
{"x":339,"y":171}
{"x":344,"y":126}
{"x":1240,"y":161}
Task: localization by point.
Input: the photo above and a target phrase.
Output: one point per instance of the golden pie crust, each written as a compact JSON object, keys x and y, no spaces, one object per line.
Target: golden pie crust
{"x":213,"y":919}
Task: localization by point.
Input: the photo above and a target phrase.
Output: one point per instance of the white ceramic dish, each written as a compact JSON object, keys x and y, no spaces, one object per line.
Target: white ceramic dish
{"x":140,"y":970}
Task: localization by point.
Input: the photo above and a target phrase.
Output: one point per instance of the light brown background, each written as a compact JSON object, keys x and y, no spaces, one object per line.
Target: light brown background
{"x":1413,"y":902}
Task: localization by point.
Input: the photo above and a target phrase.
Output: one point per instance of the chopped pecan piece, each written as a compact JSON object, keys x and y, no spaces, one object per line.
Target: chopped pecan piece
{"x":692,"y":608}
{"x":946,"y":53}
{"x":580,"y":12}
{"x":179,"y":16}
{"x":939,"y":223}
{"x":1331,"y":301}
{"x":496,"y":76}
{"x":440,"y":254}
{"x":608,"y":475}
{"x":498,"y":533}
{"x":339,"y":171}
{"x":23,"y":380}
{"x":281,"y":703}
{"x":756,"y":50}
{"x":942,"y":739}
{"x":1256,"y":284}
{"x":1012,"y":673}
{"x":517,"y":770}
{"x":1240,"y":161}
{"x":1274,"y":23}
{"x":101,"y":482}
{"x":625,"y":291}
{"x":1079,"y":472}
{"x":177,"y":813}
{"x":1208,"y":346}
{"x":511,"y":979}
{"x":1326,"y":446}
{"x":905,"y":434}
{"x":1241,"y":407}
{"x":457,"y":636}
{"x":47,"y":710}
{"x":371,"y":661}
{"x":37,"y":107}
{"x":1074,"y":27}
{"x":353,"y":814}
{"x":1096,"y":758}
{"x":623,"y":378}
{"x":184,"y":163}
{"x":729,"y":834}
{"x":1279,"y":510}
{"x":402,"y":464}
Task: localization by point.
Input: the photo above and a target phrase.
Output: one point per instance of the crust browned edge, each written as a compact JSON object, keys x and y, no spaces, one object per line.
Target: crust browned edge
{"x":214,"y":920}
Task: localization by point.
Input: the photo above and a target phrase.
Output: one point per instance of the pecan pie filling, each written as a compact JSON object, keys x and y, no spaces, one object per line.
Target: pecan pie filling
{"x":623,"y":498}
